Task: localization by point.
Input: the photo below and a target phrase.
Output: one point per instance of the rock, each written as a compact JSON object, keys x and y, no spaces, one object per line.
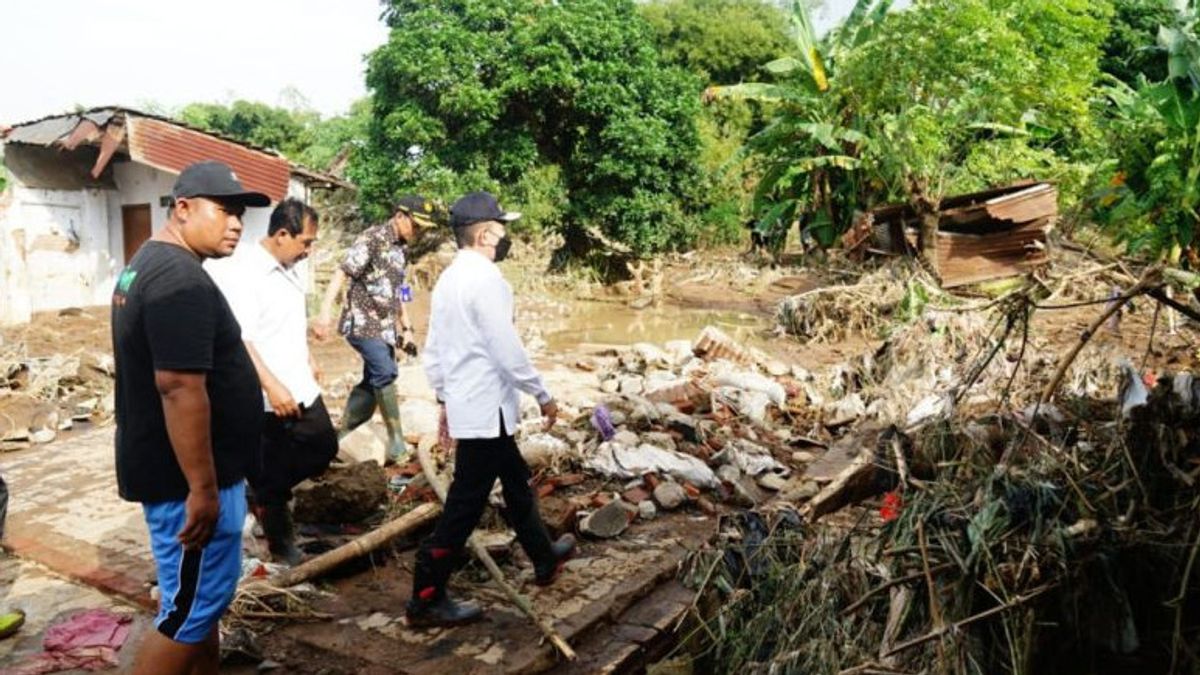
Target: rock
{"x":618,"y":418}
{"x":343,"y":495}
{"x":632,"y":385}
{"x":679,"y":351}
{"x":606,"y":522}
{"x":686,"y":427}
{"x":750,"y":381}
{"x":803,"y":457}
{"x":626,"y":437}
{"x":777,"y":368}
{"x":541,"y":450}
{"x":652,"y":355}
{"x":498,"y":544}
{"x":636,"y":494}
{"x":42,"y":436}
{"x":660,"y":439}
{"x":799,"y":489}
{"x":728,"y":473}
{"x":670,"y":495}
{"x":631,"y":362}
{"x":647,"y":510}
{"x":747,"y":491}
{"x":558,"y":514}
{"x":772,"y":481}
{"x":706,"y":506}
{"x":844,"y":410}
{"x":364,"y":444}
{"x":610,"y":385}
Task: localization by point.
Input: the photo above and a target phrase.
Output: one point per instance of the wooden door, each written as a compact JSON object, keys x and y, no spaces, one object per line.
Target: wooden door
{"x":135,"y":227}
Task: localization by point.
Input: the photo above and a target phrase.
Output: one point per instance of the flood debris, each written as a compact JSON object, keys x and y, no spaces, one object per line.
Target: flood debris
{"x":982,"y":236}
{"x":996,"y":502}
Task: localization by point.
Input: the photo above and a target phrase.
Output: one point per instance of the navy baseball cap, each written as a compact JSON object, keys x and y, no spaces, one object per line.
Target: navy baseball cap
{"x":218,"y":181}
{"x":477,"y":207}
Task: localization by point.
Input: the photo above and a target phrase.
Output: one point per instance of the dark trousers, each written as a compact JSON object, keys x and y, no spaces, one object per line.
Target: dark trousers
{"x":292,"y":450}
{"x":379,"y":361}
{"x":477,"y":465}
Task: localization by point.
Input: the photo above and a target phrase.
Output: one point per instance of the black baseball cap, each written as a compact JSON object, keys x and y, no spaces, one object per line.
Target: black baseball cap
{"x":218,"y":181}
{"x":477,"y":207}
{"x":420,"y":209}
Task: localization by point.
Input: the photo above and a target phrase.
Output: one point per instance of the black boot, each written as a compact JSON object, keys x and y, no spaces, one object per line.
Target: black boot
{"x":443,"y":611}
{"x":562,"y":549}
{"x":430,"y":606}
{"x":281,"y":534}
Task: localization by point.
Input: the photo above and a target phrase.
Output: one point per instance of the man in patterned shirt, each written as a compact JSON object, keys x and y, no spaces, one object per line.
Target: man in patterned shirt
{"x":375,"y":267}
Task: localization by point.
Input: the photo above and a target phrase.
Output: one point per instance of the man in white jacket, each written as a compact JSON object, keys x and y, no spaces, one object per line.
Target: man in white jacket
{"x":477,"y":367}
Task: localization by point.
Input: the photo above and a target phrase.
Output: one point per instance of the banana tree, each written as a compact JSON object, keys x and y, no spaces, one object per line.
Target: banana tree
{"x":810,"y":150}
{"x":1152,"y":199}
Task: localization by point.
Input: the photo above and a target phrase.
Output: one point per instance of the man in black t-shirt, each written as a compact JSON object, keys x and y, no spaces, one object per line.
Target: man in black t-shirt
{"x":188,"y":415}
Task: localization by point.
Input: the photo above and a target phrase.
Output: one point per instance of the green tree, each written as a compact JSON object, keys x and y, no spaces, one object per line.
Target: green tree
{"x":567,"y":100}
{"x":721,"y":41}
{"x":1132,"y":47}
{"x":287,"y":131}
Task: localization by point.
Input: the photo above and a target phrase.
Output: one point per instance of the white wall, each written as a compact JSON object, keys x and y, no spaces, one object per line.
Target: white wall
{"x":141,"y":184}
{"x":61,"y":249}
{"x":64,"y":248}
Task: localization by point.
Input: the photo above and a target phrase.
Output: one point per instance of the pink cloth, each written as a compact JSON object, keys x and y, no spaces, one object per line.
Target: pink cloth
{"x":86,"y":641}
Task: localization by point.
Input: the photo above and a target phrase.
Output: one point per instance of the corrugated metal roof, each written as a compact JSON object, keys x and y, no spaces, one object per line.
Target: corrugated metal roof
{"x":43,"y":132}
{"x":172,"y":147}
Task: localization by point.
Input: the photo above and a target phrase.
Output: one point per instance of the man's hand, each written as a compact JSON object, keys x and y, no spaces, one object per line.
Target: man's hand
{"x":549,"y":414}
{"x":444,"y":429}
{"x":281,"y":400}
{"x":203,"y":507}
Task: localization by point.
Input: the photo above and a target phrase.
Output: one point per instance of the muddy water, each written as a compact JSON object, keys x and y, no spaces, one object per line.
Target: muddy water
{"x":589,"y":323}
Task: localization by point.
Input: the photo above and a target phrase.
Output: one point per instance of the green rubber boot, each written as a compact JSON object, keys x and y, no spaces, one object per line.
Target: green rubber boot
{"x":359,"y":408}
{"x":390,"y":409}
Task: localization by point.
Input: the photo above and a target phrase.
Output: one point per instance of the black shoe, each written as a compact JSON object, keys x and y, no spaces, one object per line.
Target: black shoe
{"x":444,"y":612}
{"x":563,"y":549}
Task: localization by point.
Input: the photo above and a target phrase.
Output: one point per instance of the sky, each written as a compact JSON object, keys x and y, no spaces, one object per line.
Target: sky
{"x":56,"y":54}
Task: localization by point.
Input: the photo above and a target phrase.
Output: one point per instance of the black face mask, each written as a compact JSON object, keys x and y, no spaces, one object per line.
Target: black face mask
{"x":502,"y":247}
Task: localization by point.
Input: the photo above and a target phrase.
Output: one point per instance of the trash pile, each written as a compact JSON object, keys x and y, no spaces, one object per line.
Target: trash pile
{"x":968,"y":520}
{"x":41,"y":396}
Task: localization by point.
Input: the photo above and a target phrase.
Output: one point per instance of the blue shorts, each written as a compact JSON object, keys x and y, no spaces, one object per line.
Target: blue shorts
{"x":379,"y":361}
{"x":196,"y":586}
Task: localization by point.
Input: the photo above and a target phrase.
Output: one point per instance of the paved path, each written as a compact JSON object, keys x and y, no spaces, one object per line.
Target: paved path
{"x":64,"y":513}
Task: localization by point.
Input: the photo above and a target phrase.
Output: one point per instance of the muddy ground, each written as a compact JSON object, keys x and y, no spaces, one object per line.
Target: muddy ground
{"x":563,"y":320}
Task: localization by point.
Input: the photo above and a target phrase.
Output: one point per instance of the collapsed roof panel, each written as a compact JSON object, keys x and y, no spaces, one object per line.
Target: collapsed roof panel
{"x":982,"y":236}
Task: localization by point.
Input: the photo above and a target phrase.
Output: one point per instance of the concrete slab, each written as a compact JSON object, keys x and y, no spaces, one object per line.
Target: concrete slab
{"x":64,"y":513}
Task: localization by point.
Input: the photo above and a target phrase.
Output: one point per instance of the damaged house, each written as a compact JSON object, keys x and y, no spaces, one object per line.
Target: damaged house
{"x":87,"y":188}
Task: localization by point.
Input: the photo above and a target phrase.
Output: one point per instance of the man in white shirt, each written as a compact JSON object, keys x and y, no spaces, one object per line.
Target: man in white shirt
{"x":477,"y":366}
{"x":268,"y":298}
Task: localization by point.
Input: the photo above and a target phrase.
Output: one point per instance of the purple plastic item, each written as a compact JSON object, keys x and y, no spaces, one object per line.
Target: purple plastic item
{"x":602,"y":420}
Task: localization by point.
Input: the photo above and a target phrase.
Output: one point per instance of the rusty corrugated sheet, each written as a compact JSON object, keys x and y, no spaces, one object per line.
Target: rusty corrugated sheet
{"x":171,"y":147}
{"x":972,"y":258}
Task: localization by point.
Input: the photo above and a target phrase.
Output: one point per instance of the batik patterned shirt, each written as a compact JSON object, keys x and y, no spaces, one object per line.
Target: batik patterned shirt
{"x":375,"y":267}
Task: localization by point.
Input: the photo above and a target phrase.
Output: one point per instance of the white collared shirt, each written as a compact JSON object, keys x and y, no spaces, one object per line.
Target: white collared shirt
{"x":269,"y":303}
{"x":473,"y":357}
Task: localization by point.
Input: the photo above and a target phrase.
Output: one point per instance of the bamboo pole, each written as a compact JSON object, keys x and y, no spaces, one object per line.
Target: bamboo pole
{"x":440,"y":486}
{"x":413,"y":520}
